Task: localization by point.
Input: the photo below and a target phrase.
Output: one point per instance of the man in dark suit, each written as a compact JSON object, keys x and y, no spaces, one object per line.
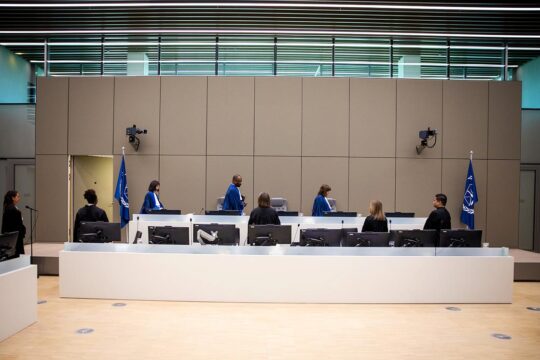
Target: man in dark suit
{"x":88,"y":213}
{"x":440,"y":217}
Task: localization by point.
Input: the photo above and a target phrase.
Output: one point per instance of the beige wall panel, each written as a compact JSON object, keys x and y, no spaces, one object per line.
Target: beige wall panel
{"x":140,"y":170}
{"x":136,"y":101}
{"x":503,"y":203}
{"x":51,"y":193}
{"x":465,"y":119}
{"x":325,"y":123}
{"x":504,"y":140}
{"x":372,"y":179}
{"x":278,"y":116}
{"x":373,"y":117}
{"x":183,"y":115}
{"x":417,"y":181}
{"x":280,"y":177}
{"x":183,"y":180}
{"x":91,"y":116}
{"x":453,"y":185}
{"x":52,"y":115}
{"x":419,"y":106}
{"x":230,"y":115}
{"x":219,"y":173}
{"x":333,"y":171}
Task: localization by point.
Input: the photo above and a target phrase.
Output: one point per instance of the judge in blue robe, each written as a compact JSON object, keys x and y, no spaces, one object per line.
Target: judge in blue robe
{"x":151,"y":199}
{"x":233,"y":198}
{"x":321,"y":205}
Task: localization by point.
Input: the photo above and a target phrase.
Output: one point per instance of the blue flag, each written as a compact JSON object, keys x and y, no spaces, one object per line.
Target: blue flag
{"x":469,"y":199}
{"x":121,"y":194}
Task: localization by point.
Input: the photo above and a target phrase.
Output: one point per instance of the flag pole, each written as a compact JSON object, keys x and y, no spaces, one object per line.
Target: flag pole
{"x":470,"y":154}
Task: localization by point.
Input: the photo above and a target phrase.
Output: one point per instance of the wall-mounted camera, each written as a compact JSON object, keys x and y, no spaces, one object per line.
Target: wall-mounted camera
{"x":132,"y":132}
{"x":428,"y":139}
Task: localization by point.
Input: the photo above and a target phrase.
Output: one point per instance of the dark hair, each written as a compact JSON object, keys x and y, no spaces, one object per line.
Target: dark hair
{"x":90,"y":196}
{"x":324,"y":189}
{"x":442,"y":198}
{"x":235,"y":177}
{"x":153,"y":185}
{"x":8,"y":198}
{"x":264,"y":200}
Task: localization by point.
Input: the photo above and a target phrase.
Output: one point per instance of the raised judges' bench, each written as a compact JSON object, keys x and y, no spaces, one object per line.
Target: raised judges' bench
{"x":286,"y":274}
{"x":142,"y":222}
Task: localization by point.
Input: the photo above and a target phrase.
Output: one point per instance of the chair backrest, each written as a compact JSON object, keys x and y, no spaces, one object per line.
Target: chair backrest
{"x":279,"y":204}
{"x":332,"y":203}
{"x":220,"y":201}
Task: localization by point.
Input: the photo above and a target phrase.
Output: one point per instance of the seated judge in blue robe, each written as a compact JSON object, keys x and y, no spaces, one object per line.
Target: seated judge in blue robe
{"x":151,"y":199}
{"x":234,"y":200}
{"x":321,"y":204}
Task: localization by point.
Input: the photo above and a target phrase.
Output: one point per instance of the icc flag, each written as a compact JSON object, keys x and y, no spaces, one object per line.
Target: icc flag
{"x":121,"y":194}
{"x":469,"y":199}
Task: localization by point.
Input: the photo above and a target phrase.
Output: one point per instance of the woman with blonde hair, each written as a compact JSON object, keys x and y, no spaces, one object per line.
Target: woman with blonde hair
{"x":376,"y":221}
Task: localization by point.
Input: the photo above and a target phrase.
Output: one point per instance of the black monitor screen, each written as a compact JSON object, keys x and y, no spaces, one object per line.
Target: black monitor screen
{"x":8,"y":245}
{"x":216,"y":234}
{"x":414,"y":238}
{"x":287,"y":213}
{"x":99,"y":232}
{"x":399,"y":214}
{"x":320,"y":237}
{"x":168,"y":235}
{"x":223,"y":212}
{"x":460,"y":238}
{"x":268,"y":235}
{"x":166,"y":212}
{"x":366,"y":239}
{"x":340,"y":213}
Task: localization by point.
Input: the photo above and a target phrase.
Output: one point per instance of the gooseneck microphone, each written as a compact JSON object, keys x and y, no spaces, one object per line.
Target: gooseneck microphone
{"x":30,"y":208}
{"x":296,"y":233}
{"x":138,"y":234}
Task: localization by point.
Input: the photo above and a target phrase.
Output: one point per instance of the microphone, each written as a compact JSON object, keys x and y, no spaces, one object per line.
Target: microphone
{"x":138,"y":234}
{"x":296,"y":233}
{"x":389,"y":225}
{"x":30,"y":208}
{"x":201,"y":211}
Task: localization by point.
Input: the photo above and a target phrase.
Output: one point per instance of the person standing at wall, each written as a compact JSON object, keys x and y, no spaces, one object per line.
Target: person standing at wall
{"x":376,"y":221}
{"x":12,"y":218}
{"x":88,"y":213}
{"x":151,"y":199}
{"x":321,"y":204}
{"x":234,"y":200}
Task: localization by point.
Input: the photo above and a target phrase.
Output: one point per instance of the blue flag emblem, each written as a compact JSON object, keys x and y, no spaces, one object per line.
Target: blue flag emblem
{"x":121,"y":194}
{"x":469,"y":199}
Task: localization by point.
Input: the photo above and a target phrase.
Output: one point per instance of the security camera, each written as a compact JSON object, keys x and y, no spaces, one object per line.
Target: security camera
{"x":132,"y":132}
{"x":425,"y":136}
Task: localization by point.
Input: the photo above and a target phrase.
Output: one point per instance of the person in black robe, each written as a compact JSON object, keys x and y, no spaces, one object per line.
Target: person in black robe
{"x":264,"y":214}
{"x":88,"y":213}
{"x":376,"y":221}
{"x":440,"y":217}
{"x":12,"y":218}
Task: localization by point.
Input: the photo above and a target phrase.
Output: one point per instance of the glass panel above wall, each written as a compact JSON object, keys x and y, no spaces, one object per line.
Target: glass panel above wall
{"x":188,"y":55}
{"x":420,"y":59}
{"x":362,"y":57}
{"x":304,"y":56}
{"x":246,"y":56}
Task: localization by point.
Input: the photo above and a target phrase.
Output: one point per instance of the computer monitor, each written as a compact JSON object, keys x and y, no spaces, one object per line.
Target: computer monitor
{"x":414,"y":238}
{"x":8,"y":245}
{"x":398,"y":214}
{"x":340,"y":213}
{"x":165,"y":212}
{"x":320,"y":237}
{"x":269,"y":235}
{"x":168,"y":235}
{"x":99,"y":232}
{"x":366,"y":239}
{"x":223,"y":212}
{"x":216,"y":234}
{"x":288,"y":213}
{"x":460,"y":238}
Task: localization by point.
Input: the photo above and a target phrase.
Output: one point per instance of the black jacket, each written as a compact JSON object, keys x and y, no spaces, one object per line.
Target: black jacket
{"x":375,"y":225}
{"x":88,"y":213}
{"x":263,"y":216}
{"x":12,"y":221}
{"x":438,"y":219}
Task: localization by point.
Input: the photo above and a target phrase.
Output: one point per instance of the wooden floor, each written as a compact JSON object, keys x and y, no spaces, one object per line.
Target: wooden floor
{"x":176,"y":330}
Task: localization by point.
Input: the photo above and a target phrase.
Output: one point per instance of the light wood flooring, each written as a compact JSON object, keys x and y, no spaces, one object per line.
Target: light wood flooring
{"x":180,"y":330}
